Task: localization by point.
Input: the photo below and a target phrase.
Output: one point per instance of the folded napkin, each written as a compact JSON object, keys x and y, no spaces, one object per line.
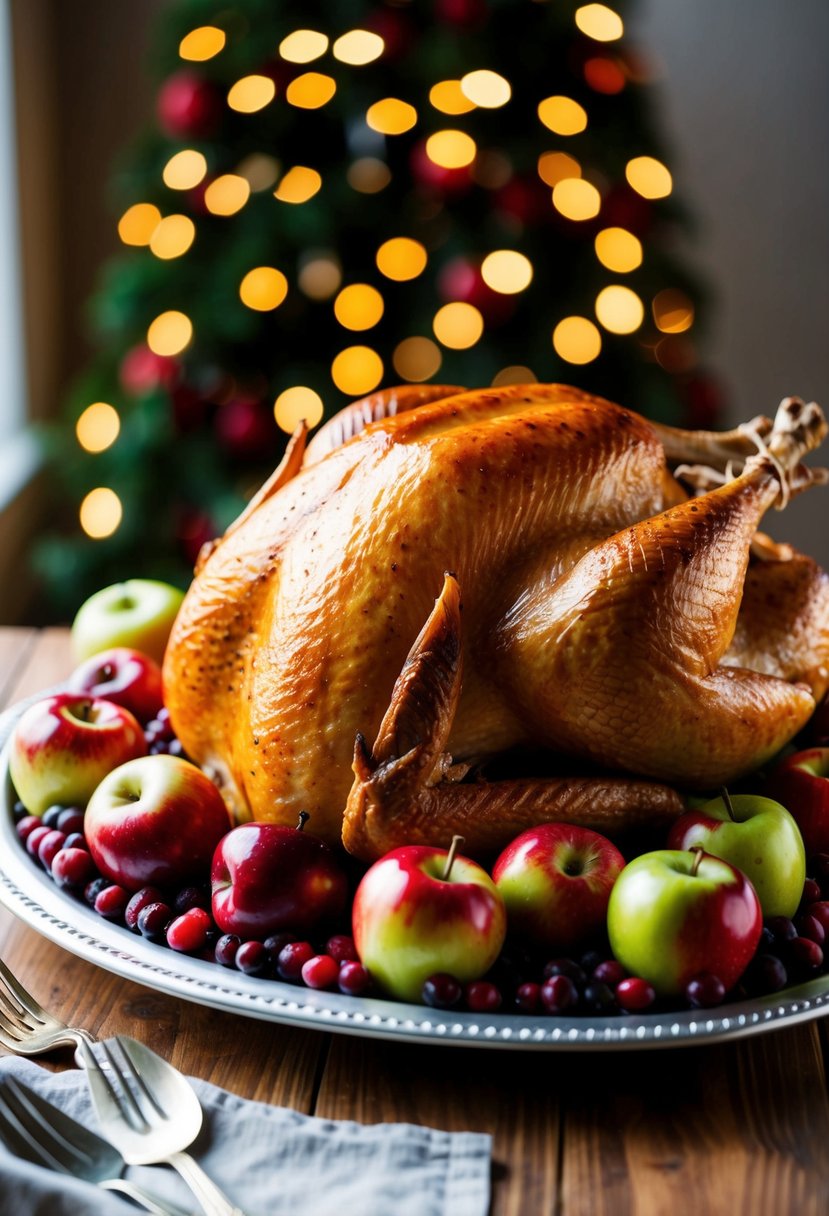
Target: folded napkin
{"x":270,"y":1161}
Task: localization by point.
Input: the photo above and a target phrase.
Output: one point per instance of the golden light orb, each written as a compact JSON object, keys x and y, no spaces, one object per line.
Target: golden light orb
{"x":451,"y":149}
{"x":486,"y":89}
{"x":226,"y":194}
{"x":310,"y":90}
{"x":184,"y":170}
{"x":368,"y":175}
{"x":599,"y":22}
{"x":401,"y":258}
{"x":448,"y":97}
{"x":358,"y":47}
{"x":263,"y":288}
{"x":507,"y":271}
{"x":515,"y":374}
{"x":391,"y":116}
{"x":619,"y":309}
{"x":298,"y":185}
{"x":138,"y":223}
{"x":618,"y":250}
{"x":320,"y":275}
{"x":251,"y":93}
{"x":101,"y":513}
{"x":172,"y":237}
{"x":416,"y":359}
{"x":649,"y":177}
{"x":576,"y":199}
{"x":577,"y":340}
{"x":357,"y":370}
{"x":295,"y":405}
{"x":302,"y":46}
{"x":553,"y":167}
{"x":359,"y":306}
{"x":562,"y":115}
{"x":170,"y":333}
{"x":202,"y":43}
{"x":673,"y":311}
{"x":458,"y":325}
{"x":98,"y":427}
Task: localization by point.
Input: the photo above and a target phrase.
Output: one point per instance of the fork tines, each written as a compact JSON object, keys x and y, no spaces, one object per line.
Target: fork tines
{"x":21,"y":1120}
{"x":126,"y":1086}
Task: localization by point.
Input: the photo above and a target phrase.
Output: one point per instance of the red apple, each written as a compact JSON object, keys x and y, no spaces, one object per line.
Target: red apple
{"x":126,"y":677}
{"x":412,"y":919}
{"x":64,"y":745}
{"x":266,"y":877}
{"x":676,"y":915}
{"x":801,"y":783}
{"x":155,"y":822}
{"x":556,"y":881}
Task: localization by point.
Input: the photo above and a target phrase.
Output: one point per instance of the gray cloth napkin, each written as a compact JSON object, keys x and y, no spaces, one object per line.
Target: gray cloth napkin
{"x":269,"y":1160}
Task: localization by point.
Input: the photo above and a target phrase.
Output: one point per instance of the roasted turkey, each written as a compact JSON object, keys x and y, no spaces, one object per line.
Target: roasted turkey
{"x":594,"y":602}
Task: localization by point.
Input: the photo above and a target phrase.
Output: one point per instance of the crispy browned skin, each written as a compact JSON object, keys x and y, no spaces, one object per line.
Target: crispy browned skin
{"x":595,"y":620}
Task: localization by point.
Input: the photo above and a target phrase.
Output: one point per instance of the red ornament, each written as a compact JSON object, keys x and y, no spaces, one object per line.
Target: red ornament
{"x":604,"y":75}
{"x":464,"y":13}
{"x":434,"y":177}
{"x":245,"y":428}
{"x":194,"y":528}
{"x":188,"y":408}
{"x":188,"y":105}
{"x":395,"y":29}
{"x":142,"y":371}
{"x":461,"y":280}
{"x":705,"y":401}
{"x":624,"y":208}
{"x":526,"y":200}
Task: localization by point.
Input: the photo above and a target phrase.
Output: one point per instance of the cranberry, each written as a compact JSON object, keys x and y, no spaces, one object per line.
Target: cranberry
{"x":93,"y":889}
{"x":806,"y":924}
{"x":766,"y":974}
{"x":782,"y":927}
{"x":189,"y":897}
{"x":225,"y":949}
{"x":154,"y":918}
{"x":292,"y":958}
{"x":321,"y":971}
{"x":528,"y":997}
{"x":806,"y":954}
{"x":353,"y":978}
{"x":820,"y":912}
{"x":441,"y":991}
{"x":609,"y":972}
{"x":72,"y":867}
{"x":252,"y":958}
{"x":811,"y":893}
{"x":482,"y":997}
{"x":590,"y":960}
{"x":342,"y":948}
{"x":76,"y":840}
{"x":139,"y":901}
{"x":51,"y":844}
{"x":559,"y":993}
{"x":26,"y":826}
{"x":705,"y":990}
{"x":564,"y":966}
{"x":188,"y":932}
{"x":34,"y":838}
{"x":71,"y":819}
{"x":111,"y":902}
{"x":275,"y":943}
{"x":634,"y":994}
{"x":51,"y":815}
{"x":19,"y":811}
{"x":598,"y":997}
{"x":176,"y":748}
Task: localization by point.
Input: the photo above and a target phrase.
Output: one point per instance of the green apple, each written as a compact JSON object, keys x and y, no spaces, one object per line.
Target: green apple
{"x":756,"y":835}
{"x":674,"y":915}
{"x":138,"y":613}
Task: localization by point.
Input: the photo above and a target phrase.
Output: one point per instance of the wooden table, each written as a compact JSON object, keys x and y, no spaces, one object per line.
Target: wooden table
{"x":742,"y":1128}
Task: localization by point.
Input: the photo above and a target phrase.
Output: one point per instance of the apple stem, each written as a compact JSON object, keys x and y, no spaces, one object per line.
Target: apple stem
{"x":303,"y":819}
{"x":457,"y":841}
{"x":729,"y":805}
{"x":699,"y":853}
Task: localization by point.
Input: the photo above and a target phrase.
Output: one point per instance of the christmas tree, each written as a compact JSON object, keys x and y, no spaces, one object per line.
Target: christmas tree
{"x":345,"y":195}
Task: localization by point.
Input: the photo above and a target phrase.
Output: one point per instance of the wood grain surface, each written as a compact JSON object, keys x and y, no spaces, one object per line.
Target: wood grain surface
{"x":730,"y":1129}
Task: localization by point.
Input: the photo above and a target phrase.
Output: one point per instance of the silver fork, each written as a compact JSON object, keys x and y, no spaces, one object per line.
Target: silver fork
{"x":26,"y":1028}
{"x":151,"y":1113}
{"x":45,"y":1135}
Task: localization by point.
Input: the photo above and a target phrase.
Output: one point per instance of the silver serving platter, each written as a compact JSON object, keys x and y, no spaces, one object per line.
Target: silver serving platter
{"x":28,"y":892}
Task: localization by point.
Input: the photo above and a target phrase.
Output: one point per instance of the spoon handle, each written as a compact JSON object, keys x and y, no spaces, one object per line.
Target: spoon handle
{"x":213,"y":1200}
{"x":151,"y":1203}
